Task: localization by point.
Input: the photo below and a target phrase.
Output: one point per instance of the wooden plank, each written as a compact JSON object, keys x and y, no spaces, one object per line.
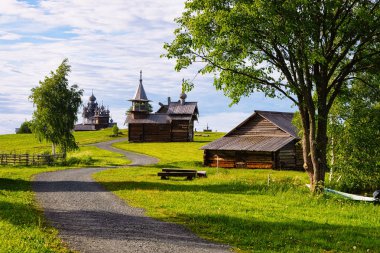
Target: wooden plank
{"x":178,"y":170}
{"x":166,"y":175}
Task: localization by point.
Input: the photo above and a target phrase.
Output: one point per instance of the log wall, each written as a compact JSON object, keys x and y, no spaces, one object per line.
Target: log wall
{"x":290,"y":157}
{"x":238,"y":159}
{"x":287,"y":158}
{"x":178,"y":131}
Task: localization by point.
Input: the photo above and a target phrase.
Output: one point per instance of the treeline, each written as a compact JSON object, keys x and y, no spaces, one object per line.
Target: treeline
{"x":354,"y":137}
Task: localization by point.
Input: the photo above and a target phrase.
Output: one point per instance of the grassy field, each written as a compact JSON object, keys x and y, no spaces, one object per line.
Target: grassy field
{"x":240,"y":207}
{"x":27,"y":143}
{"x":22,"y":226}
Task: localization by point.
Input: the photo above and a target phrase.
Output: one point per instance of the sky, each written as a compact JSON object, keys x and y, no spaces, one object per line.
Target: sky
{"x":107,"y":43}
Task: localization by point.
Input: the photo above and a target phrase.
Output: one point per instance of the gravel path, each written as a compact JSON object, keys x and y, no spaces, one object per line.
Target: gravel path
{"x":91,"y":219}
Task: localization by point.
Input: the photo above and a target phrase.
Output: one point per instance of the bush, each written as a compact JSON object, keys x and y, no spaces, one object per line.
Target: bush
{"x":25,"y":128}
{"x":359,"y":180}
{"x":115,"y":130}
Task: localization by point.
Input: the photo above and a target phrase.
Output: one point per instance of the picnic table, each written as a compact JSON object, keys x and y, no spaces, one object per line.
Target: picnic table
{"x":189,"y":174}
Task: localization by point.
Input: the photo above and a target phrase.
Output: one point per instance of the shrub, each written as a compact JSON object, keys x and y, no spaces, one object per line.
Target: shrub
{"x":115,"y":130}
{"x":25,"y":128}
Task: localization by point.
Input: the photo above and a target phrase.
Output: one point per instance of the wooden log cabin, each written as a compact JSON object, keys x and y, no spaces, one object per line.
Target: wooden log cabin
{"x":265,"y":140}
{"x":172,"y":122}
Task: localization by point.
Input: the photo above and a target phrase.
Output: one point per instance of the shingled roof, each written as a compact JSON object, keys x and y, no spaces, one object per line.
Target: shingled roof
{"x":140,"y":94}
{"x":186,"y":108}
{"x":249,"y":143}
{"x":150,"y":119}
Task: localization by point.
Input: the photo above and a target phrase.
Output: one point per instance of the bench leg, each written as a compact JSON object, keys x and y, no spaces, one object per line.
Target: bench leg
{"x":190,"y":177}
{"x":164,"y":178}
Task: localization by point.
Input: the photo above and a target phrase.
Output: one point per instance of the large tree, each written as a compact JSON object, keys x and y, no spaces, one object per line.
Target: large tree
{"x":57,"y":105}
{"x":305,"y":51}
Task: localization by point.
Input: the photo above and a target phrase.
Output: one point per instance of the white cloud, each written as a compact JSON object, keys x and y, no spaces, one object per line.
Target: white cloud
{"x":9,"y":36}
{"x":221,"y":122}
{"x":107,"y":43}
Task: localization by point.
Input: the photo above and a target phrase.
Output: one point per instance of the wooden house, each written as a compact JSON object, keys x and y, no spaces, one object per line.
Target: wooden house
{"x":172,"y":122}
{"x":265,"y":140}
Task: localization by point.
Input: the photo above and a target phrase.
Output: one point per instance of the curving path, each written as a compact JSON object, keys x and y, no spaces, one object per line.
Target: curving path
{"x":91,"y":219}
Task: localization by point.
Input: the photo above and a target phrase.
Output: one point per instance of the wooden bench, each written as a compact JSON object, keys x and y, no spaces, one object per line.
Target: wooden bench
{"x":189,"y":174}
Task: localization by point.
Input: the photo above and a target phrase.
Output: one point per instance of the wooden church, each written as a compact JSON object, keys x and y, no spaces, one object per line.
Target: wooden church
{"x":173,"y":122}
{"x":265,"y":140}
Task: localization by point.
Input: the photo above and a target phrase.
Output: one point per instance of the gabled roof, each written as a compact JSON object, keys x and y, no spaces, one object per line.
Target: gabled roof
{"x":186,"y":108}
{"x":282,"y":120}
{"x":258,"y":142}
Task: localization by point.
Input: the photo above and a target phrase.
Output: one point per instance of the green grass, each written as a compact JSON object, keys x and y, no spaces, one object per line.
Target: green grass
{"x":27,"y":143}
{"x":239,"y":208}
{"x":92,"y":156}
{"x":22,"y":225}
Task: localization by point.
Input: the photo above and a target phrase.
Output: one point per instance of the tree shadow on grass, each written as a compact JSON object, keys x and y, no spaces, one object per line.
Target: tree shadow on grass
{"x":279,"y":236}
{"x":14,"y":185}
{"x":225,"y":188}
{"x":181,"y":186}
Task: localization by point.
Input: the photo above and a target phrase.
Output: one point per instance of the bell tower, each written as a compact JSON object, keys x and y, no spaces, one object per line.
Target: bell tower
{"x":139,"y":109}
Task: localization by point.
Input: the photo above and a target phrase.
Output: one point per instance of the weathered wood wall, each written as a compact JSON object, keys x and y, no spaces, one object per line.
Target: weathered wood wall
{"x":290,"y":157}
{"x":238,"y":159}
{"x":258,"y":126}
{"x":149,"y":132}
{"x":178,"y":131}
{"x":287,"y":158}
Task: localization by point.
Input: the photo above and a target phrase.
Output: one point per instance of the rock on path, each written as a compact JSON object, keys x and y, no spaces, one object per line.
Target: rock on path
{"x":91,"y":219}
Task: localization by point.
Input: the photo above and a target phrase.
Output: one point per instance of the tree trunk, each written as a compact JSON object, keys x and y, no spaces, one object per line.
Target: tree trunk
{"x":321,"y":149}
{"x":53,"y":148}
{"x":308,"y":166}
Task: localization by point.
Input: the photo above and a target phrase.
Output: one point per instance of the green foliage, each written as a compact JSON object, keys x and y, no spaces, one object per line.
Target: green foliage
{"x":146,"y":105}
{"x":115,"y":130}
{"x":25,"y":128}
{"x":301,"y":50}
{"x":57,"y":106}
{"x":355,"y":136}
{"x":240,"y":208}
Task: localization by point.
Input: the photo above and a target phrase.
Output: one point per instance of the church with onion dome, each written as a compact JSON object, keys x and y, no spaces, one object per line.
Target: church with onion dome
{"x":173,"y":121}
{"x":94,"y":116}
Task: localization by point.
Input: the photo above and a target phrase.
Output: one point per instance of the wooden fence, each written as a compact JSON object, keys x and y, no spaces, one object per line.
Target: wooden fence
{"x":30,"y":159}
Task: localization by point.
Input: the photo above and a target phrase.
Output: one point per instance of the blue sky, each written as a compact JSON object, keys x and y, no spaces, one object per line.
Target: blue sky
{"x":107,"y":43}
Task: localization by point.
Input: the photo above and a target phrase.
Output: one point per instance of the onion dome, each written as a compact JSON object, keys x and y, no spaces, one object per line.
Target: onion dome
{"x":183,"y":96}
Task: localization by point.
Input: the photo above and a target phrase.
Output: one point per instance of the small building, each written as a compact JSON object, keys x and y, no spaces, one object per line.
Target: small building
{"x":209,"y":130}
{"x":95,"y":117}
{"x":265,"y":140}
{"x":172,"y":122}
